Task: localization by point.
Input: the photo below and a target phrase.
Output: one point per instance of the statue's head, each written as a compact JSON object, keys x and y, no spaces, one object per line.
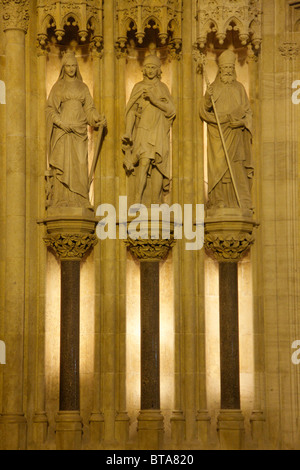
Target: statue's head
{"x":152,"y":67}
{"x":227,"y":66}
{"x":70,"y":66}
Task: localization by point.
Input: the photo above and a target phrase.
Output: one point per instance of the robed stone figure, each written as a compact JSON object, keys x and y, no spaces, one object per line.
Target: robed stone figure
{"x":149,"y":116}
{"x":235,"y":118}
{"x":70,"y":109}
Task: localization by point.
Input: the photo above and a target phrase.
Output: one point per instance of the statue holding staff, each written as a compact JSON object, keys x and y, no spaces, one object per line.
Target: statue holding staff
{"x":226,"y":110}
{"x":70,"y":109}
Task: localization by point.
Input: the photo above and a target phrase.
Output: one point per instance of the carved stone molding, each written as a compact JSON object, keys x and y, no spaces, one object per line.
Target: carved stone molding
{"x":71,"y":246}
{"x":138,"y":15}
{"x":220,"y":16}
{"x":229,"y":234}
{"x":70,"y":236}
{"x":289,"y":50}
{"x":147,"y":250}
{"x":230,"y":248}
{"x":86,"y":15}
{"x":15,"y":14}
{"x":293,"y":15}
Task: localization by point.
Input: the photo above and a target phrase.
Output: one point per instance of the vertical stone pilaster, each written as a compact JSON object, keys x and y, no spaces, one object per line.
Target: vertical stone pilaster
{"x":108,"y":264}
{"x":40,"y":419}
{"x":96,"y":420}
{"x":13,"y":421}
{"x":122,"y":418}
{"x":188,"y":258}
{"x":177,"y":417}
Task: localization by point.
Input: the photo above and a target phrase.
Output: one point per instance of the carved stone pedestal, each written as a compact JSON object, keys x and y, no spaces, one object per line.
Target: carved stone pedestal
{"x":257,"y":421}
{"x":177,"y":427}
{"x":68,"y":430}
{"x":13,"y":431}
{"x":231,"y":429}
{"x":228,"y":237}
{"x":70,"y":236}
{"x":203,"y":420}
{"x":150,"y":430}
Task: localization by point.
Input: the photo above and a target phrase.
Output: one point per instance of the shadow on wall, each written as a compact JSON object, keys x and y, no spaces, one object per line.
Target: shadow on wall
{"x":2,"y":92}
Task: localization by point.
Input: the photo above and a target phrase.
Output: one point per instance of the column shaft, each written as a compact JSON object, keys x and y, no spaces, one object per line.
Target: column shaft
{"x":12,"y":419}
{"x":150,"y":380}
{"x":40,"y":418}
{"x":229,"y":336}
{"x":15,"y":218}
{"x":108,"y":247}
{"x":188,"y":273}
{"x":69,"y":399}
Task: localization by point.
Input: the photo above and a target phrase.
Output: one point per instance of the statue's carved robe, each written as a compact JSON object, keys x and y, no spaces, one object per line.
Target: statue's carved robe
{"x":151,"y":130}
{"x":232,"y":105}
{"x":70,"y":103}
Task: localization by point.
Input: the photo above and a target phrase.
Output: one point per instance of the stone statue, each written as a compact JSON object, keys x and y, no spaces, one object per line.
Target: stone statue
{"x":226,"y":109}
{"x":70,"y":109}
{"x":149,"y":116}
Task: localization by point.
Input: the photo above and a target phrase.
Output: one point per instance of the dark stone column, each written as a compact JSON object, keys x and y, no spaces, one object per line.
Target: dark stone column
{"x":228,"y":237}
{"x":70,"y":239}
{"x":150,"y":381}
{"x":69,"y":342}
{"x":229,"y":336}
{"x":150,"y":420}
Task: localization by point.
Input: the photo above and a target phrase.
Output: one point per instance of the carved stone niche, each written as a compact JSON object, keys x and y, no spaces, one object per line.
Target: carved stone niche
{"x":15,"y":14}
{"x":293,"y":16}
{"x":86,"y":15}
{"x":137,"y":15}
{"x":221,"y":16}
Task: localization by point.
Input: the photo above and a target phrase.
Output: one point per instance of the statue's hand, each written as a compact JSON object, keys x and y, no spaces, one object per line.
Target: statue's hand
{"x":102,"y":122}
{"x":126,"y":140}
{"x":149,"y":95}
{"x":210,"y":90}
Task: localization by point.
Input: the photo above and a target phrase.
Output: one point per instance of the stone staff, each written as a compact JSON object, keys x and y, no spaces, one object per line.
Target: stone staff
{"x":96,"y":154}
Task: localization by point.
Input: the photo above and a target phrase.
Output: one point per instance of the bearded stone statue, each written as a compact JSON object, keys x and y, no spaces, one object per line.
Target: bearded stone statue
{"x":229,"y":176}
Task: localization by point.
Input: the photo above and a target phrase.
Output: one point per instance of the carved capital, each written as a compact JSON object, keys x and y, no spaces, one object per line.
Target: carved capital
{"x":175,"y":51}
{"x":15,"y":14}
{"x":230,"y":248}
{"x":229,"y":234}
{"x":121,"y":51}
{"x":147,"y":250}
{"x":289,"y":50}
{"x":71,"y":246}
{"x":70,"y":236}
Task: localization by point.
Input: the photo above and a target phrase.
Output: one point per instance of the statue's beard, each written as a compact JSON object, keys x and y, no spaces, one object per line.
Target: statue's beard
{"x":227,"y":78}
